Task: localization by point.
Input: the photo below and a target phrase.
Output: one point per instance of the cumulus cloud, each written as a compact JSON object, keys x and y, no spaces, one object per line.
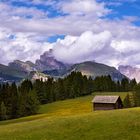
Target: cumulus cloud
{"x":20,"y":46}
{"x":32,"y":19}
{"x":89,"y":34}
{"x":103,"y":47}
{"x":126,"y":46}
{"x":79,"y":7}
{"x":82,"y":48}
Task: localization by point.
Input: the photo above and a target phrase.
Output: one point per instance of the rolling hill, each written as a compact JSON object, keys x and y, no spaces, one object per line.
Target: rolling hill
{"x":73,"y":120}
{"x":94,"y":69}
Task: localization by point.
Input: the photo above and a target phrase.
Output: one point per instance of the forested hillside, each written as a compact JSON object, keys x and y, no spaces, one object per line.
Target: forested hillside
{"x":24,"y":99}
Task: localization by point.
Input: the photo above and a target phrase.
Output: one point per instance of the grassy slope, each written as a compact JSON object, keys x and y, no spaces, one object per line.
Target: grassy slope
{"x":74,"y":106}
{"x":74,"y":120}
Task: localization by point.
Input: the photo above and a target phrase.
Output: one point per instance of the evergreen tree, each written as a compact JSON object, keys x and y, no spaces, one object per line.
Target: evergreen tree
{"x":41,"y":90}
{"x":133,"y":83}
{"x":127,"y":102}
{"x":25,"y":86}
{"x":90,"y":85}
{"x":118,"y":86}
{"x":48,"y":90}
{"x":28,"y":104}
{"x":3,"y":111}
{"x":32,"y":103}
{"x":136,"y":95}
{"x":14,"y":100}
{"x":125,"y":84}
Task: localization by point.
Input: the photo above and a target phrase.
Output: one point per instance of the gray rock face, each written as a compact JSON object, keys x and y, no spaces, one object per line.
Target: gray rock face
{"x":22,"y":66}
{"x":131,"y":72}
{"x":48,"y":65}
{"x":34,"y":75}
{"x":47,"y":62}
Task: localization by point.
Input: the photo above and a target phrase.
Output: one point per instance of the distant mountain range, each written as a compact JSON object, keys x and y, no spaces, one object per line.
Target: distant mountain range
{"x":48,"y":66}
{"x":11,"y":74}
{"x":131,"y":72}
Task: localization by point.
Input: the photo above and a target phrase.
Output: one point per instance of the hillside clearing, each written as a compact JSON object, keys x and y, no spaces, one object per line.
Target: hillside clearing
{"x":75,"y":106}
{"x":72,"y":120}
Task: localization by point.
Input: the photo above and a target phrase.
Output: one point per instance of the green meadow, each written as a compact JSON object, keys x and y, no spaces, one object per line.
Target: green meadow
{"x":74,"y":120}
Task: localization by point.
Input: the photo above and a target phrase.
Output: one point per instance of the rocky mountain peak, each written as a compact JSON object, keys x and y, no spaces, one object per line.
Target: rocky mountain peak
{"x":48,"y":62}
{"x":131,"y":72}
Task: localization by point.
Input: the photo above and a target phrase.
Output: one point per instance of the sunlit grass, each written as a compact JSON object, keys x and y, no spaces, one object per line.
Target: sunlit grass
{"x":75,"y":106}
{"x":74,"y":120}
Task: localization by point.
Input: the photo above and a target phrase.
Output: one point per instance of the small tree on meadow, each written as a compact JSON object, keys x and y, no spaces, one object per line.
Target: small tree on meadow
{"x":127,"y":102}
{"x":136,"y":95}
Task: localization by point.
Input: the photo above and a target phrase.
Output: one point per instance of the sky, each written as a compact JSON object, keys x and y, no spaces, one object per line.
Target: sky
{"x":105,"y":31}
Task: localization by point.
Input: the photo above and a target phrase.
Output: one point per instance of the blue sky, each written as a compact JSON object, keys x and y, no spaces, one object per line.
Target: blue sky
{"x":129,"y":8}
{"x":120,"y":9}
{"x":77,"y":30}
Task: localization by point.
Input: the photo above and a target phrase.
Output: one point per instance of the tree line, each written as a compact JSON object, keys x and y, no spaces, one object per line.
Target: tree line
{"x":17,"y":101}
{"x":24,"y":99}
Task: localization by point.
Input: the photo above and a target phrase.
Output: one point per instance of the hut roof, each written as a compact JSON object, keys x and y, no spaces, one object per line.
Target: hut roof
{"x":105,"y":99}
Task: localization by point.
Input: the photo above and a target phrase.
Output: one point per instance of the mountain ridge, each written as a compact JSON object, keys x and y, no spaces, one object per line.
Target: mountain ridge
{"x":94,"y":69}
{"x":130,"y":71}
{"x":47,"y":65}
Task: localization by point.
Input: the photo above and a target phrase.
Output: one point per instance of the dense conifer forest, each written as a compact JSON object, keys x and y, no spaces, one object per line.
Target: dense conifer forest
{"x":24,"y":99}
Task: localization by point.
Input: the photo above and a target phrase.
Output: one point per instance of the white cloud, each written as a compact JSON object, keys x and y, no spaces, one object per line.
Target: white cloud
{"x":83,"y":13}
{"x":80,"y":7}
{"x":21,"y":47}
{"x":103,"y":47}
{"x":88,"y":36}
{"x":88,"y":46}
{"x":126,"y":46}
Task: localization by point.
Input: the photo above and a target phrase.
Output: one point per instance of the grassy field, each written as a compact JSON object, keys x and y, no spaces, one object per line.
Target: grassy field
{"x":74,"y":120}
{"x":75,"y":106}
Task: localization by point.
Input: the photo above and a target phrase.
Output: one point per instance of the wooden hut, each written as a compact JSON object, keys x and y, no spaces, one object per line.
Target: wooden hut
{"x":107,"y":102}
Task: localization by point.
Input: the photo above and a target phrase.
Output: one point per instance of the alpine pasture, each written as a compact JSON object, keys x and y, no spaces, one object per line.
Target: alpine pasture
{"x":74,"y":120}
